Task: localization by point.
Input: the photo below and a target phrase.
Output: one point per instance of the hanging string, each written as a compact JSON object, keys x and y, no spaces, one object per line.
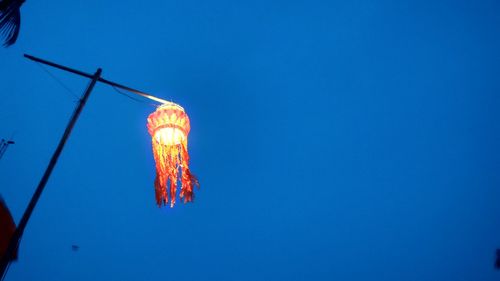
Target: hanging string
{"x":58,"y":81}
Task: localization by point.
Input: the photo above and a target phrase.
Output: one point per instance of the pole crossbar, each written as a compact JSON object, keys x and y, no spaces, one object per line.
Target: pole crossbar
{"x":100,"y":79}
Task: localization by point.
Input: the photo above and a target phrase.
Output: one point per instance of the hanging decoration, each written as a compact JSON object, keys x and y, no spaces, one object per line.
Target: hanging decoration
{"x":169,"y":128}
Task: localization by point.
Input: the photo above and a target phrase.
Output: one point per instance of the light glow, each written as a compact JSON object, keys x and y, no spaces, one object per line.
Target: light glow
{"x":169,"y":127}
{"x":169,"y":136}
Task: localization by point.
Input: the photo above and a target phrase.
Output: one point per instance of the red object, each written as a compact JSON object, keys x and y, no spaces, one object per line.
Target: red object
{"x":7,"y":228}
{"x":169,"y":128}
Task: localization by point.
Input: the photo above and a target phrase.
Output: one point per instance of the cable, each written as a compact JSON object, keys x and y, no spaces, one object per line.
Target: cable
{"x":78,"y":98}
{"x":58,"y":81}
{"x":131,"y":97}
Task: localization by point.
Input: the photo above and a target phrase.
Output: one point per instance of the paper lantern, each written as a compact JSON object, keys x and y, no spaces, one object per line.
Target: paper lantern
{"x":169,"y":128}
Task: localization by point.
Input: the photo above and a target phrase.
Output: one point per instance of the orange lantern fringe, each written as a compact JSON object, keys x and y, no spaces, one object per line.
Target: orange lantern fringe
{"x":169,"y":127}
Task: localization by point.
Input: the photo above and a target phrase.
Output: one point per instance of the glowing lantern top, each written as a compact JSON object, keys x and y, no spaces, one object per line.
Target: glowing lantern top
{"x":169,"y":128}
{"x":169,"y":124}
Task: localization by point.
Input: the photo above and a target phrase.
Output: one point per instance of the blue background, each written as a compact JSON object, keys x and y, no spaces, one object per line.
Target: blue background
{"x":334,"y":140}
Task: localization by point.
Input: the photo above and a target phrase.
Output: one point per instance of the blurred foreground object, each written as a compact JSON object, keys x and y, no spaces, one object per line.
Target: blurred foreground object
{"x":169,"y":128}
{"x":497,"y":262}
{"x":7,"y":228}
{"x":10,"y":20}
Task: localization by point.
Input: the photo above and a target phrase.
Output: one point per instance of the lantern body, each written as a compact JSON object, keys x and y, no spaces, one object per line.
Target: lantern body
{"x":169,"y":128}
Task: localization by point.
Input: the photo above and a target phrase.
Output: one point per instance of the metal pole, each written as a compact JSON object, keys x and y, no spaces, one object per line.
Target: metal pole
{"x":16,"y":237}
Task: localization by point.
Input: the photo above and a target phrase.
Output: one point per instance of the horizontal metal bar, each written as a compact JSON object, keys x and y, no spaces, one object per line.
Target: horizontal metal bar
{"x":137,"y":92}
{"x":87,"y":75}
{"x":58,"y":66}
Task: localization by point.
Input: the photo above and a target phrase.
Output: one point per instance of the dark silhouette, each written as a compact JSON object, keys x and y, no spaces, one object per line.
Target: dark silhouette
{"x":497,"y":262}
{"x":7,"y":228}
{"x":10,"y":20}
{"x":75,"y":248}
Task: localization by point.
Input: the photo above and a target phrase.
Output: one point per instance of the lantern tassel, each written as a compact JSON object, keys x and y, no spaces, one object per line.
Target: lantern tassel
{"x":170,"y":160}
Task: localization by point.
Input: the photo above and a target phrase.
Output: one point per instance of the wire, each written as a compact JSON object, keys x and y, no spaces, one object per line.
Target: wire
{"x":58,"y":81}
{"x":131,"y":97}
{"x":78,"y":98}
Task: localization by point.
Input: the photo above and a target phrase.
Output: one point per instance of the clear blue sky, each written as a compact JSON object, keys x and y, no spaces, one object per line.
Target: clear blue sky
{"x":334,"y":140}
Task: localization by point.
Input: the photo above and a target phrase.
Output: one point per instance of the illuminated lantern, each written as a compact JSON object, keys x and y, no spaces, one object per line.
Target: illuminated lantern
{"x":169,"y":128}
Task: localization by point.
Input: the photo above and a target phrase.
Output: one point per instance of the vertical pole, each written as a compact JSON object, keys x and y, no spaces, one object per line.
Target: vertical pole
{"x":14,"y":241}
